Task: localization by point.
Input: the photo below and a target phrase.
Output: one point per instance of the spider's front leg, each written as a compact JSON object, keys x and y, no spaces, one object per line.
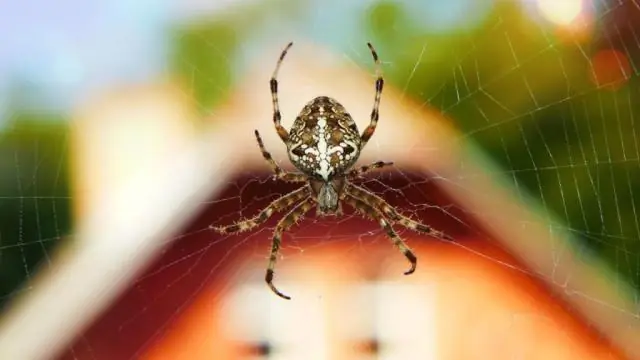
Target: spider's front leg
{"x":279,"y":173}
{"x":277,"y":205}
{"x":273,"y":84}
{"x":375,"y":113}
{"x":289,"y":220}
{"x":368,"y":210}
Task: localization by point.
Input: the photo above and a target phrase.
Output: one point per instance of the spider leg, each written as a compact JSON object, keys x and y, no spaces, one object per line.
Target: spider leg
{"x":285,"y":223}
{"x":277,"y":205}
{"x":355,"y":173}
{"x":368,"y":132}
{"x":391,"y":213}
{"x":282,"y":132}
{"x":280,"y":174}
{"x":369,"y":210}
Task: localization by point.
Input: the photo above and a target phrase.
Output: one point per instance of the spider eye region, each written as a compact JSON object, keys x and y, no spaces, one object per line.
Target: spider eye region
{"x":324,"y":141}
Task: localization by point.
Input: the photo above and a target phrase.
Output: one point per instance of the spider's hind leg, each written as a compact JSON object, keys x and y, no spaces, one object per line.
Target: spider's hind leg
{"x":391,"y":213}
{"x":366,"y":209}
{"x":285,"y":223}
{"x":276,"y":205}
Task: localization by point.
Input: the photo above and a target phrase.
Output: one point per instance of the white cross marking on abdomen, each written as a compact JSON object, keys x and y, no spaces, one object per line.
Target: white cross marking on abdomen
{"x":325,"y":170}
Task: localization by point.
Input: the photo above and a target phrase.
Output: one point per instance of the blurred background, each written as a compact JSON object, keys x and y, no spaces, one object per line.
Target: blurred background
{"x":548,"y":92}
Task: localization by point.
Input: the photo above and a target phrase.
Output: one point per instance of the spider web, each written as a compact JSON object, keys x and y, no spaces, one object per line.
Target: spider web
{"x":555,"y":112}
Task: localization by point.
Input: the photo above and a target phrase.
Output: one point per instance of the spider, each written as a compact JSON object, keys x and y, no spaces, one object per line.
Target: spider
{"x":324,"y":144}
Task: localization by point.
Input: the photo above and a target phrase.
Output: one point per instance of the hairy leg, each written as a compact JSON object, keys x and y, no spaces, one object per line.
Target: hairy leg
{"x":279,"y":173}
{"x":392,"y":213}
{"x":277,"y":205}
{"x":357,"y":172}
{"x":273,"y":83}
{"x":369,"y":210}
{"x":289,"y":220}
{"x":368,"y":132}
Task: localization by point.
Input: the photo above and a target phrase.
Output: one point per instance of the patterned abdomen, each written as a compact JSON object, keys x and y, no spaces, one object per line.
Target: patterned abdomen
{"x":324,"y":140}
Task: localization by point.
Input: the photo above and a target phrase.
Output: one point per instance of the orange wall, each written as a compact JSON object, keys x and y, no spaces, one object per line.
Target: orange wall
{"x":482,"y":309}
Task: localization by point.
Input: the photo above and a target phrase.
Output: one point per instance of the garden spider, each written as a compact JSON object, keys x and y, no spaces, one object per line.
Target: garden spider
{"x":324,"y":144}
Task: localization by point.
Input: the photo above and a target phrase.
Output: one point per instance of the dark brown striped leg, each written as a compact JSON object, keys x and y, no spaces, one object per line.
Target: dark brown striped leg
{"x":375,"y":214}
{"x":279,"y":173}
{"x":282,"y":132}
{"x":277,"y":205}
{"x":391,"y":213}
{"x":368,"y":132}
{"x":355,"y":173}
{"x":287,"y":221}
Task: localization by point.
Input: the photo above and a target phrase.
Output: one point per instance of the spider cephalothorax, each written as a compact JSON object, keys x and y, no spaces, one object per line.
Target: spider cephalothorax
{"x":327,"y":194}
{"x":324,"y":144}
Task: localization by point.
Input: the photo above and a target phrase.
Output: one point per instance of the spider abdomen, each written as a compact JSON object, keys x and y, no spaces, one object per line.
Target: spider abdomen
{"x":324,"y":140}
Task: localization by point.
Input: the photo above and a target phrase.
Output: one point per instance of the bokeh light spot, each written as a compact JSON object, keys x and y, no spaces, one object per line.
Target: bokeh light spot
{"x":610,"y":69}
{"x":562,"y":12}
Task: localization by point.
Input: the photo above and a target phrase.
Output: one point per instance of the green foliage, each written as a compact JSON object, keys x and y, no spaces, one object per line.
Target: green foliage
{"x":525,"y":97}
{"x":35,"y":204}
{"x":203,"y":58}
